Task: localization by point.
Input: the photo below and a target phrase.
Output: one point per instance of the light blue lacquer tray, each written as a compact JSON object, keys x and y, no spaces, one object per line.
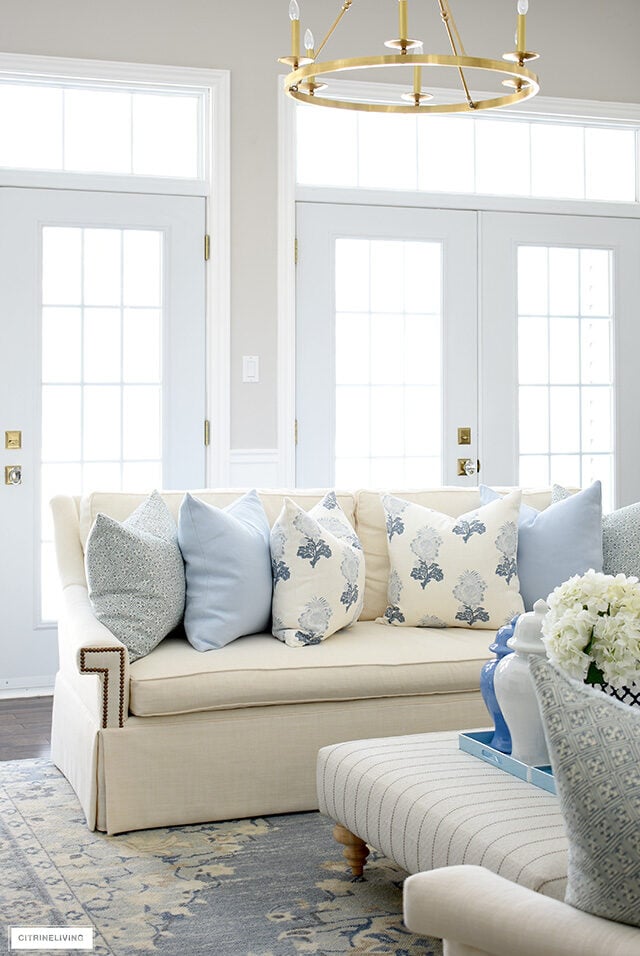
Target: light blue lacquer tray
{"x":476,"y":743}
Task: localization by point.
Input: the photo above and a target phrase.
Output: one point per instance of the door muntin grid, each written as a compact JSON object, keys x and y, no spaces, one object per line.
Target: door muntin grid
{"x":388,"y":361}
{"x":566,"y":382}
{"x":102,"y":359}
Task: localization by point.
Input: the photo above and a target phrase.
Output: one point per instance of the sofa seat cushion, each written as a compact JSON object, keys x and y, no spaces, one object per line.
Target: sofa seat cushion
{"x":365,"y":661}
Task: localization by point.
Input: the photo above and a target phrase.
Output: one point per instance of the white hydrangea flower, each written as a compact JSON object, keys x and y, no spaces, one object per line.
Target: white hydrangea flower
{"x":595,"y":618}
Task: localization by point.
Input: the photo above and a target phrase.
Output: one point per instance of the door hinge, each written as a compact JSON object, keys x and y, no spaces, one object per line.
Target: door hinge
{"x":207,"y":431}
{"x":295,"y":251}
{"x":207,"y":247}
{"x":295,"y":432}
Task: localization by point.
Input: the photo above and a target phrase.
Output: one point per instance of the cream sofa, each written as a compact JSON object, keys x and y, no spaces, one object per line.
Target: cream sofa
{"x":182,"y":736}
{"x":479,"y":913}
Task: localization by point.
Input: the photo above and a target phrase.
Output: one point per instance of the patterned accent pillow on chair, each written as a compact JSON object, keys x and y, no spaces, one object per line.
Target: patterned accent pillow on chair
{"x":318,"y":572}
{"x":452,"y":572}
{"x":594,"y":744}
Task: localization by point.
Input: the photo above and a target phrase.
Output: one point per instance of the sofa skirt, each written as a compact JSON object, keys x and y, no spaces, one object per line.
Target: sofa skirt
{"x":221,"y":765}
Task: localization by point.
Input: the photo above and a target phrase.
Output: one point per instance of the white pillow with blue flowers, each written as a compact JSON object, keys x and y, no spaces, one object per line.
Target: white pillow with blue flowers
{"x":318,"y":572}
{"x":452,"y":572}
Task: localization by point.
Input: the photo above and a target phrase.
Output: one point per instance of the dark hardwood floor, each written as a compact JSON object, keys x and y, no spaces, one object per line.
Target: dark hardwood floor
{"x":25,"y":727}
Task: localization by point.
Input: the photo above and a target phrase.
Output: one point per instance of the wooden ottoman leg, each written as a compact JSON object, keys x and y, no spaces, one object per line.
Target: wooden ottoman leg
{"x":356,"y":850}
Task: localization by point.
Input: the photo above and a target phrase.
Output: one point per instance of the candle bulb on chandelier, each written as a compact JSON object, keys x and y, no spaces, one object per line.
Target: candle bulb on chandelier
{"x":521,"y":33}
{"x":309,"y":44}
{"x":294,"y":16}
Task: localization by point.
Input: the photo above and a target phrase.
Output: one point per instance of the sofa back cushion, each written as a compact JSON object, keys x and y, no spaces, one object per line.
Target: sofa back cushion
{"x":371,"y":529}
{"x":120,"y":504}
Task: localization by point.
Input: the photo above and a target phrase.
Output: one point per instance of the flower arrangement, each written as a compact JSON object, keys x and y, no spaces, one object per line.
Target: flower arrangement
{"x":592,"y":629}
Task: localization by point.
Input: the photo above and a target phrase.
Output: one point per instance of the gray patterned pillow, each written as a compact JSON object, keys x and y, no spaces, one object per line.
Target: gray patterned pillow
{"x":620,"y":537}
{"x":135,"y":574}
{"x":594,"y":744}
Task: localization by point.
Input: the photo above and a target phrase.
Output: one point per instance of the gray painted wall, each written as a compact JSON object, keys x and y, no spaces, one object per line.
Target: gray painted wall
{"x":589,"y":50}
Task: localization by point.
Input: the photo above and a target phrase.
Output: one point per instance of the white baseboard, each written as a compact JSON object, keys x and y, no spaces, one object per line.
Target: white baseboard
{"x":254,"y":468}
{"x":26,"y":686}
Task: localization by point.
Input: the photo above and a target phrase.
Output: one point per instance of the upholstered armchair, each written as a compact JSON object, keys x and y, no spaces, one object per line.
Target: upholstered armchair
{"x":478,"y":913}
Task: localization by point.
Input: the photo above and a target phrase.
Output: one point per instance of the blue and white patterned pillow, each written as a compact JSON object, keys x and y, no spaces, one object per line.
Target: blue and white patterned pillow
{"x":452,"y":572}
{"x":318,"y":572}
{"x":594,"y":745}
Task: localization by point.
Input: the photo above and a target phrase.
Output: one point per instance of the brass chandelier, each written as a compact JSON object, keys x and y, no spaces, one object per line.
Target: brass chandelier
{"x":308,"y":73}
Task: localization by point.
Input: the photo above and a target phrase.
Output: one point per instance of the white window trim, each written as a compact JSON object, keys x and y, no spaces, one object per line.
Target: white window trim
{"x":214,"y":187}
{"x":540,"y":108}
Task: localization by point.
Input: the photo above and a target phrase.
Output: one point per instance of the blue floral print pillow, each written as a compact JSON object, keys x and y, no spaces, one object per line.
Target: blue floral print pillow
{"x":318,"y":572}
{"x":452,"y":572}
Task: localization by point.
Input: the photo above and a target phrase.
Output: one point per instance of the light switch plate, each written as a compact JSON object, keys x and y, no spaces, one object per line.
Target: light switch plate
{"x":250,"y":368}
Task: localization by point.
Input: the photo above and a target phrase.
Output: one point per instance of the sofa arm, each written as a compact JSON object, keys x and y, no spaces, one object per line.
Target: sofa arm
{"x":92,"y":660}
{"x":486,"y":913}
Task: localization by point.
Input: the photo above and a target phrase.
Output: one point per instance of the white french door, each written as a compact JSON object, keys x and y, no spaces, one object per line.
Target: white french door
{"x":402,"y":338}
{"x":386,"y":357}
{"x":102,"y":333}
{"x":560,"y":337}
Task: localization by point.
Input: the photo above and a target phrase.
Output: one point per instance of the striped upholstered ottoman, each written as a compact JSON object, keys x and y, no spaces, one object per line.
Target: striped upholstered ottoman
{"x":424,"y":804}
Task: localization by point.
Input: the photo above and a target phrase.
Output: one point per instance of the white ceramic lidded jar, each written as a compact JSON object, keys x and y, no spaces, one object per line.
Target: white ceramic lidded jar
{"x":515,"y":690}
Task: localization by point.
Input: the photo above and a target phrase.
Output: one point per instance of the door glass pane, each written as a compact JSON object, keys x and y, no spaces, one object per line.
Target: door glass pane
{"x":388,"y":362}
{"x":566,"y":384}
{"x":101,"y":367}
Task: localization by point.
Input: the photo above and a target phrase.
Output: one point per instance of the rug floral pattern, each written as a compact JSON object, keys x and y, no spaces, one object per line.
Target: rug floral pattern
{"x":275,"y":886}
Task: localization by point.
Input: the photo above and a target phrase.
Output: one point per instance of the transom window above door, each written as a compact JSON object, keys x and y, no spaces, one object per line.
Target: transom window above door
{"x":501,"y":156}
{"x":80,"y":128}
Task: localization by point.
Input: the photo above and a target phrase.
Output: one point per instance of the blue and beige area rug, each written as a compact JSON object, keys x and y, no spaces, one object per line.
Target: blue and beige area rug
{"x":270,"y":886}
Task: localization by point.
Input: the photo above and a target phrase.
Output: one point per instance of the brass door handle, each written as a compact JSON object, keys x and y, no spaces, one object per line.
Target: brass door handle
{"x":13,"y":474}
{"x":467,"y":467}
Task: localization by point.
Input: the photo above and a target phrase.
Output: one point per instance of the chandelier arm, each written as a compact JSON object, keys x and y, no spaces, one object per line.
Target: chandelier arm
{"x":451,"y":19}
{"x":343,"y":10}
{"x":444,"y":13}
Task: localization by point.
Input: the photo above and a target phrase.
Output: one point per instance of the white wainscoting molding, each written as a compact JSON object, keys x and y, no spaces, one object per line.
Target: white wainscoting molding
{"x":26,"y":686}
{"x":254,"y":468}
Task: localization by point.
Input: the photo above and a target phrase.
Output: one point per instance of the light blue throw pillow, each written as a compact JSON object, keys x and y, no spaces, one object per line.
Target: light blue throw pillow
{"x":227,"y":569}
{"x":620,"y":537}
{"x":557,"y":542}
